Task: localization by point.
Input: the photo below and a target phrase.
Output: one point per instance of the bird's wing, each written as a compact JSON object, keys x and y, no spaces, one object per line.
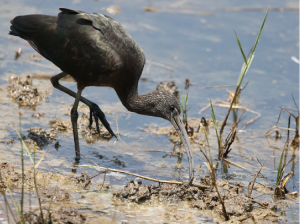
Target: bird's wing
{"x":28,"y":27}
{"x":123,"y":48}
{"x":71,"y":42}
{"x":84,"y":45}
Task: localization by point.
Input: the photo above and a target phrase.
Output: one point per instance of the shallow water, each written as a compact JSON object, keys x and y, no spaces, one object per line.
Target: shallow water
{"x":200,"y":47}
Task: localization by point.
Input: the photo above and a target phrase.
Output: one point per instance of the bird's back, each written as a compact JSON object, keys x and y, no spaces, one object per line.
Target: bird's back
{"x":93,"y":48}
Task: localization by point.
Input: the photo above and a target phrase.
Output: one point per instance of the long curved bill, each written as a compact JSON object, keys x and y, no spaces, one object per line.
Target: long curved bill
{"x":178,"y":125}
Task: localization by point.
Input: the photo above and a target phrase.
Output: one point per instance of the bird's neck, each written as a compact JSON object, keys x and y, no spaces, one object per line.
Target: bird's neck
{"x":141,"y":104}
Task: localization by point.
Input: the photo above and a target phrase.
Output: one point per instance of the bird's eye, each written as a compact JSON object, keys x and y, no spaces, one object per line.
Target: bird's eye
{"x":172,"y":108}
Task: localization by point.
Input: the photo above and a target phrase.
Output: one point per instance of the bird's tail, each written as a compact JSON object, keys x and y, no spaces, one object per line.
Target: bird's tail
{"x":29,"y":25}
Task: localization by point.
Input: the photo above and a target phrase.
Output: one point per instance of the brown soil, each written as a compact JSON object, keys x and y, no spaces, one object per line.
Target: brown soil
{"x":238,"y":205}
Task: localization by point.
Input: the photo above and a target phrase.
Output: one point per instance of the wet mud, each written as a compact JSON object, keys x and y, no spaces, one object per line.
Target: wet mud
{"x":37,"y":138}
{"x":238,"y":205}
{"x":21,"y":91}
{"x":64,"y":215}
{"x":89,"y":134}
{"x":12,"y":179}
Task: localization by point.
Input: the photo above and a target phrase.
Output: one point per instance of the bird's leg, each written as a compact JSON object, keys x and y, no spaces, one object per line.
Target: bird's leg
{"x":97,"y":112}
{"x":94,"y":108}
{"x":74,"y":118}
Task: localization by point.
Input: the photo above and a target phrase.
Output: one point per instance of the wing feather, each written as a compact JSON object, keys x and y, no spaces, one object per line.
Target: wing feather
{"x":82,"y":44}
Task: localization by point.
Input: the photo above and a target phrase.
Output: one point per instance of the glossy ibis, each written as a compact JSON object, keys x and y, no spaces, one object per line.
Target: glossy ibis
{"x":97,"y":51}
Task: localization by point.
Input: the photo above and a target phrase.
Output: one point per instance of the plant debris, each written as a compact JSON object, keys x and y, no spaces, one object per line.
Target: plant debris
{"x":18,"y":53}
{"x":56,"y":193}
{"x":168,"y":86}
{"x":37,"y":138}
{"x":35,"y":57}
{"x":198,"y":124}
{"x":38,"y":115}
{"x":23,"y":93}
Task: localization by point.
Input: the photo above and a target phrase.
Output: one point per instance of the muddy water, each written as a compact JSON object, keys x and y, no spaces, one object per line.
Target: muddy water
{"x":179,"y":42}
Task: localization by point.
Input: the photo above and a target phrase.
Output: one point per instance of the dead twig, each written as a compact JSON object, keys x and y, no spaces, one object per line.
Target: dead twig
{"x":275,"y":9}
{"x":228,"y":112}
{"x":36,"y":165}
{"x":181,"y":11}
{"x":92,"y":178}
{"x":211,"y":168}
{"x":239,"y":184}
{"x":267,"y":133}
{"x":7,"y":141}
{"x":215,"y":86}
{"x":202,"y":186}
{"x":223,"y":104}
{"x":242,"y":108}
{"x":256,"y":177}
{"x":228,"y":142}
{"x":160,"y":65}
{"x":233,"y":163}
{"x":103,"y":180}
{"x":158,"y":151}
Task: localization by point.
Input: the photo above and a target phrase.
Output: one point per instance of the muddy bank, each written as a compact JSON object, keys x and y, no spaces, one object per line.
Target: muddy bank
{"x":45,"y":182}
{"x":238,"y":205}
{"x":12,"y":178}
{"x":64,"y":215}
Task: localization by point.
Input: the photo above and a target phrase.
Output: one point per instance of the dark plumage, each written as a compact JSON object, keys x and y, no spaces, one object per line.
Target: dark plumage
{"x":97,"y":51}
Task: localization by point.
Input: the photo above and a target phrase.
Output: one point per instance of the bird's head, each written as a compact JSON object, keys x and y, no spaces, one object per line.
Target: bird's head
{"x":165,"y":105}
{"x":160,"y":104}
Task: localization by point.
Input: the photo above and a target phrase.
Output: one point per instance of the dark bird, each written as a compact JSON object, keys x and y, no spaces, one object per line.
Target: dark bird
{"x":97,"y":51}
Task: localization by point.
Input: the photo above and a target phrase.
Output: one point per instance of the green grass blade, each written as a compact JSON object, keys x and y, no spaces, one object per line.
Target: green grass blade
{"x":261,"y":28}
{"x":279,"y":168}
{"x":23,"y":176}
{"x":248,"y":61}
{"x":210,"y":156}
{"x":25,"y":146}
{"x":186,"y":100}
{"x":244,"y":70}
{"x":237,"y":39}
{"x":214,"y":120}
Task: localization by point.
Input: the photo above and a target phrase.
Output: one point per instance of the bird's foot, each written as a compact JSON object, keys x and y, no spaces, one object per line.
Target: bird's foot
{"x":96,"y":112}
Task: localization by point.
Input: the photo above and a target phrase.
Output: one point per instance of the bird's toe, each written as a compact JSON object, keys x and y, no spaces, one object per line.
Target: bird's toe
{"x":96,"y":112}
